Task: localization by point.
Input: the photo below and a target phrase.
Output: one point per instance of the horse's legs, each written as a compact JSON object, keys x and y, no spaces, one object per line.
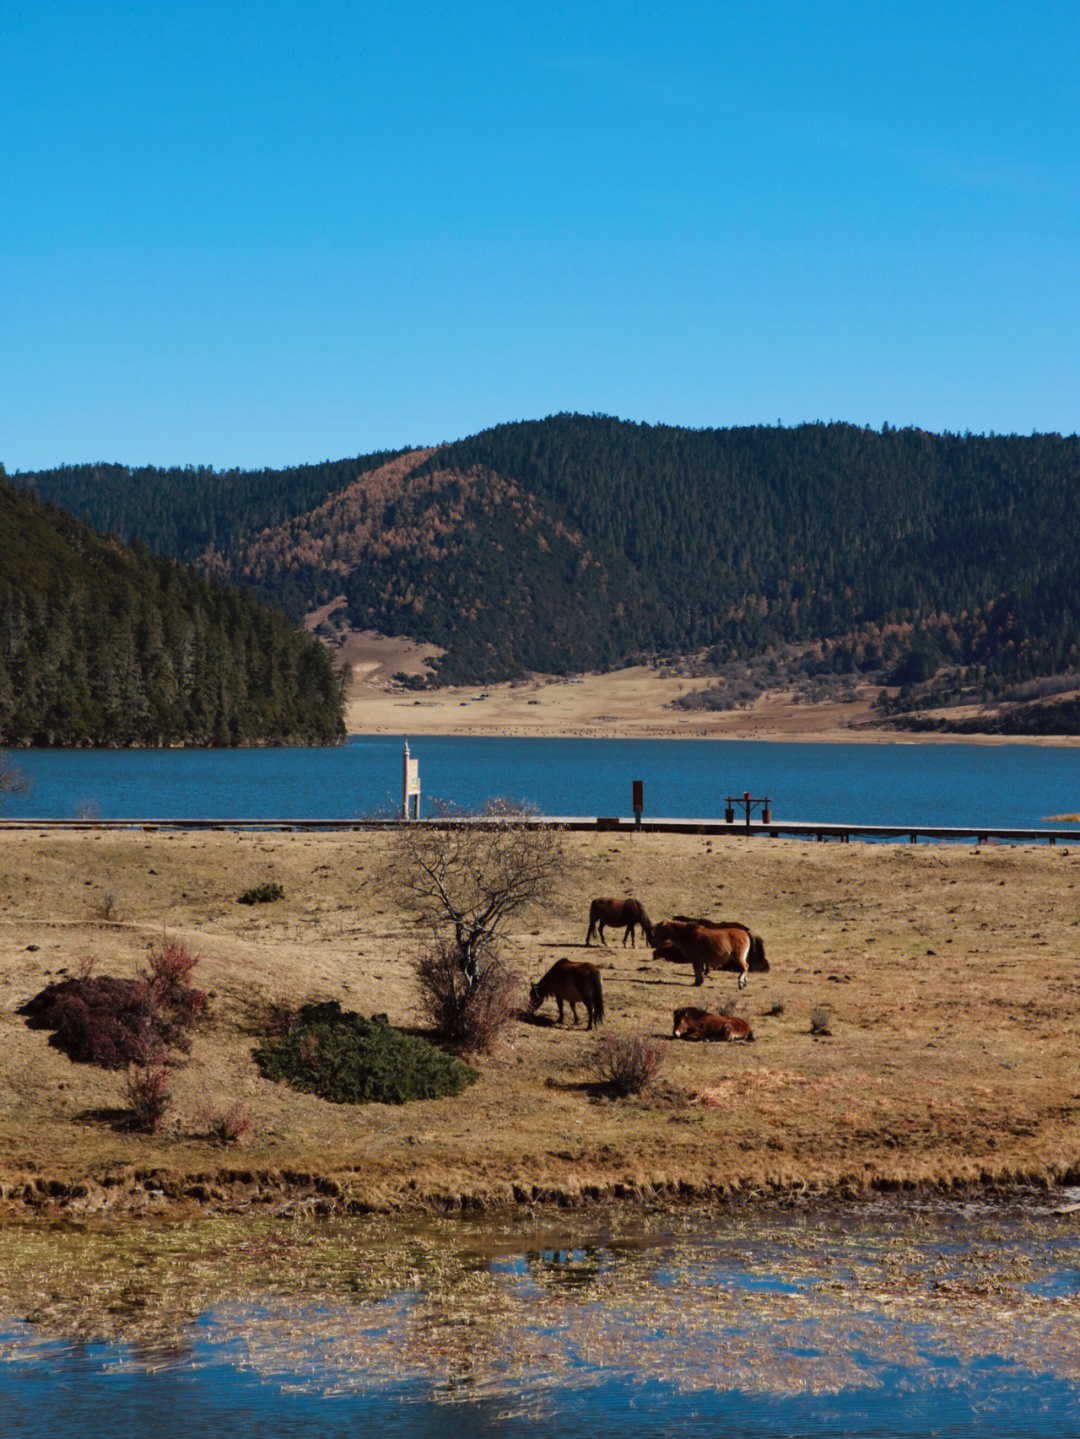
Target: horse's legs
{"x":742,"y":979}
{"x":589,"y":1012}
{"x":558,"y":1000}
{"x":699,"y":973}
{"x":591,"y":931}
{"x":573,"y":1010}
{"x":600,"y":932}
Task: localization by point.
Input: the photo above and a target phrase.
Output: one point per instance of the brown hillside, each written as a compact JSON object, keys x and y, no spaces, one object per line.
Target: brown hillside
{"x":390,"y":511}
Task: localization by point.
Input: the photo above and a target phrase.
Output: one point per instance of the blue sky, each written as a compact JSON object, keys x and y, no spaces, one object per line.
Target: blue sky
{"x":263,"y":234}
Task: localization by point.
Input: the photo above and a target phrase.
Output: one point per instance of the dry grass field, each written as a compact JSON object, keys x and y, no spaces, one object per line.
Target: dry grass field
{"x":948,"y":976}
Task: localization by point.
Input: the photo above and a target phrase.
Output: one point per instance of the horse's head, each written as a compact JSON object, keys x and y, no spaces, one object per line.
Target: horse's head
{"x":662,"y":932}
{"x":536,"y":998}
{"x":685,"y":1019}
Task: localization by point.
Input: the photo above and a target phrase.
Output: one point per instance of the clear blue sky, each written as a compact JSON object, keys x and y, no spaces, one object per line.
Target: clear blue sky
{"x":267,"y":233}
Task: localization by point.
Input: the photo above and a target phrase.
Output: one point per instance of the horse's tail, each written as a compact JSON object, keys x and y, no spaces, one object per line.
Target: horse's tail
{"x":757,"y":961}
{"x":597,"y":996}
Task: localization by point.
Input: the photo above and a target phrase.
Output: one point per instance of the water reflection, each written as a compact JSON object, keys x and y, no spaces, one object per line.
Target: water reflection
{"x":766,"y":1321}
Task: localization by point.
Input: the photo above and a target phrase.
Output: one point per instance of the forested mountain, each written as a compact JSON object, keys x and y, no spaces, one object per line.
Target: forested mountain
{"x":101,"y":644}
{"x":580,"y":541}
{"x":185,"y":511}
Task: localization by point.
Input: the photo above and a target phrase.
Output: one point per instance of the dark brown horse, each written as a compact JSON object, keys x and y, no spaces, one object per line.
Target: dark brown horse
{"x":708,"y":945}
{"x":629,"y":912}
{"x":700,"y":1024}
{"x":576,"y":982}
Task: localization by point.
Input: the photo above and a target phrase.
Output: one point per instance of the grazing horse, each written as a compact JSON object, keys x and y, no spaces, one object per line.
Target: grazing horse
{"x":630,"y":912}
{"x":708,"y":945}
{"x":700,"y":1024}
{"x":576,"y":982}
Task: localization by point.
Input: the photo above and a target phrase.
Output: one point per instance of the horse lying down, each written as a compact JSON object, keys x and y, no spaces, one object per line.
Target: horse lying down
{"x":700,"y":1024}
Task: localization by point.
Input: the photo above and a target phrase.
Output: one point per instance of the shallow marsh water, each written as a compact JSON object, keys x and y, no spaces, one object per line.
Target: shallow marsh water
{"x":905,"y":1319}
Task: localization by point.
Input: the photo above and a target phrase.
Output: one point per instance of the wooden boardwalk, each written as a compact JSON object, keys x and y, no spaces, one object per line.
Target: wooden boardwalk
{"x":796,"y":829}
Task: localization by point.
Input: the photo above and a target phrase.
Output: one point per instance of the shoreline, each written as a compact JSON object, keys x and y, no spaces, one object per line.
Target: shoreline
{"x":165,"y":1195}
{"x":632,"y":703}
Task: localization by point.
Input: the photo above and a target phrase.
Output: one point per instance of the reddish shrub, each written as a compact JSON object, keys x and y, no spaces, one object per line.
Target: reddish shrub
{"x":98,"y":1020}
{"x":628,"y":1062}
{"x":148,"y":1092}
{"x":228,"y":1125}
{"x":171,"y":964}
{"x":470,"y":1014}
{"x":111,"y":1022}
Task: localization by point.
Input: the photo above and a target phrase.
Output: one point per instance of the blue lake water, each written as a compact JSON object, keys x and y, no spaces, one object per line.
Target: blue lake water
{"x":999,"y":786}
{"x":964,"y":1321}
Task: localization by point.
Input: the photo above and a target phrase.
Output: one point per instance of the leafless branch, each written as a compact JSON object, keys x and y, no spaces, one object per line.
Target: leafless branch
{"x":474,"y":874}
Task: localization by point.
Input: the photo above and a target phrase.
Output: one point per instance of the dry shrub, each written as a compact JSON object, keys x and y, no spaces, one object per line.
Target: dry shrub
{"x":629,"y":1061}
{"x":97,"y":1020}
{"x":106,"y":911}
{"x":226,"y":1125}
{"x":281,"y":1013}
{"x":261,"y":894}
{"x":473,"y":1014}
{"x":148,"y":1091}
{"x":110,"y":1022}
{"x":170,"y":967}
{"x":819,"y":1021}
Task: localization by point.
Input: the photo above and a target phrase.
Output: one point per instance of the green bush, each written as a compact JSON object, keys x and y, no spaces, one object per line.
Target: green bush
{"x":261,"y":894}
{"x":349,"y":1060}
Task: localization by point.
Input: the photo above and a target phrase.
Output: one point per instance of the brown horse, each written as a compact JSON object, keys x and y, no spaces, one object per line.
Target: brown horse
{"x":700,"y":1024}
{"x":576,"y":982}
{"x":630,"y":912}
{"x":708,"y":945}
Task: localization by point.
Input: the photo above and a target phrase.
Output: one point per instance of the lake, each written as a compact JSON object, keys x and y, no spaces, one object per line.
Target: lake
{"x":906,"y":1319}
{"x":963,"y":784}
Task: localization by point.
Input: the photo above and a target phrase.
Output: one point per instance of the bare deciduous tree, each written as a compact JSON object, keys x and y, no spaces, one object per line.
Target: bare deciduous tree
{"x":471,"y":872}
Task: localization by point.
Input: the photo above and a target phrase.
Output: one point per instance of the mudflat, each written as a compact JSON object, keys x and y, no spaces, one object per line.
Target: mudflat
{"x":637,"y":702}
{"x":946,"y":979}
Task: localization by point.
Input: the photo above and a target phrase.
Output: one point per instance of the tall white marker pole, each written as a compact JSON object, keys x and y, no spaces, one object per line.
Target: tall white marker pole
{"x":410,"y":784}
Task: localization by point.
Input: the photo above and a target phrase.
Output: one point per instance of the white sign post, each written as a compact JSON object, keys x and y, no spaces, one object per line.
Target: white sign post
{"x":410,"y":785}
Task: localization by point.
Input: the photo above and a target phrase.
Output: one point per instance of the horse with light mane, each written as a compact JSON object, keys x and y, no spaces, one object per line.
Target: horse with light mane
{"x":576,"y":982}
{"x":628,"y":912}
{"x":707,"y":945}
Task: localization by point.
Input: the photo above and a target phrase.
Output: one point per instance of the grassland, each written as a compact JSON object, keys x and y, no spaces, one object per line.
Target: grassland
{"x":949,"y":977}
